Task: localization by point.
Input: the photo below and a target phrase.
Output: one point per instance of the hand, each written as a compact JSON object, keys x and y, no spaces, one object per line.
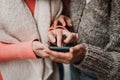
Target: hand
{"x":63,"y":20}
{"x":75,"y":54}
{"x":39,"y":49}
{"x":61,"y":36}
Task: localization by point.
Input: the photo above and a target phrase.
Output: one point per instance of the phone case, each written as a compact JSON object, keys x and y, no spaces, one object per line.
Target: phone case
{"x":60,"y":49}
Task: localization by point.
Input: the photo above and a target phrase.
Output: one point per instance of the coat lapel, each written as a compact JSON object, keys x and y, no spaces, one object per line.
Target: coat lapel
{"x":43,"y":18}
{"x":46,"y":11}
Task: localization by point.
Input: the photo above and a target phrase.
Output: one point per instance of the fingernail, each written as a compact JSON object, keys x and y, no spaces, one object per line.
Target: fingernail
{"x":59,"y":45}
{"x":53,"y":40}
{"x":64,"y":24}
{"x":70,"y":24}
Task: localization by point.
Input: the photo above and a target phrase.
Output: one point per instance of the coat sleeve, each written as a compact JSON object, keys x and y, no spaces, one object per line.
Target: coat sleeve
{"x":21,"y":50}
{"x":105,"y":64}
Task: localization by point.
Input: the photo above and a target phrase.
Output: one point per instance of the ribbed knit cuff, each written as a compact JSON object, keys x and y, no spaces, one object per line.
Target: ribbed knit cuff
{"x":97,"y":61}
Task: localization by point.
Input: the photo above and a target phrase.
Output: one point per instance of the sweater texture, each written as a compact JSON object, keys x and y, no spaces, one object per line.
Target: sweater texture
{"x":98,"y":26}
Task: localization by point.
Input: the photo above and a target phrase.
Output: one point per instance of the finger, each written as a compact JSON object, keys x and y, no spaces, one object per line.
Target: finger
{"x":68,"y":21}
{"x":44,"y":55}
{"x":41,"y":53}
{"x":66,"y":60}
{"x":74,"y":37}
{"x":51,"y":37}
{"x":60,"y":55}
{"x":62,"y":21}
{"x":59,"y":38}
{"x":69,"y":38}
{"x":66,"y":34}
{"x":46,"y":46}
{"x":55,"y":22}
{"x":52,"y":25}
{"x":80,"y":48}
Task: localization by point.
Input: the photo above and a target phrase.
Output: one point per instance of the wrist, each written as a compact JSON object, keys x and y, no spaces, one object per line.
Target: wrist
{"x":80,"y":60}
{"x":35,"y":46}
{"x":82,"y":56}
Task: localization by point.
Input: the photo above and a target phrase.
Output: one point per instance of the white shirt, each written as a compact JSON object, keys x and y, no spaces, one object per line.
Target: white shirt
{"x":87,"y":1}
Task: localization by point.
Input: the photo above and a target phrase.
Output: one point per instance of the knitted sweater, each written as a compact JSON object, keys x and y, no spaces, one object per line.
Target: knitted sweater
{"x":98,"y":25}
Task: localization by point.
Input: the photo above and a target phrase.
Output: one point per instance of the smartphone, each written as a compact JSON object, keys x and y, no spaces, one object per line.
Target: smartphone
{"x":60,"y":49}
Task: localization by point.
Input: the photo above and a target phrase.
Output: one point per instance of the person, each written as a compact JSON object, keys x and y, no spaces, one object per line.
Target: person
{"x":98,"y":25}
{"x":24,"y":26}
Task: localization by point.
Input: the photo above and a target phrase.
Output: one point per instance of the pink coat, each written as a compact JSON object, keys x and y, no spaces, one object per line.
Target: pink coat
{"x":16,"y":51}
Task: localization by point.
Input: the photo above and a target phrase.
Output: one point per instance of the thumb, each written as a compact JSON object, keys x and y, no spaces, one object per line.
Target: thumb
{"x":71,"y":50}
{"x":55,"y":22}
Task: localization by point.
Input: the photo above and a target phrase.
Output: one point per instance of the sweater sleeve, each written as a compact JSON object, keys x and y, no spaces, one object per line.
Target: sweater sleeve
{"x":21,"y":50}
{"x":104,"y":64}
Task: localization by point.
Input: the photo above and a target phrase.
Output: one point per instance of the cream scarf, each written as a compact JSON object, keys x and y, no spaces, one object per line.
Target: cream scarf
{"x":17,"y":25}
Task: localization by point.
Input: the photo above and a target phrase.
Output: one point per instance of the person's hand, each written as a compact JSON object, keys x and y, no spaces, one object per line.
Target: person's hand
{"x":75,"y":55}
{"x":60,"y":36}
{"x":39,"y":49}
{"x":63,"y":20}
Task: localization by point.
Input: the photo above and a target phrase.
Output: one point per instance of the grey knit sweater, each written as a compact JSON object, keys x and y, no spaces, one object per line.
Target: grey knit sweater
{"x":98,"y":25}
